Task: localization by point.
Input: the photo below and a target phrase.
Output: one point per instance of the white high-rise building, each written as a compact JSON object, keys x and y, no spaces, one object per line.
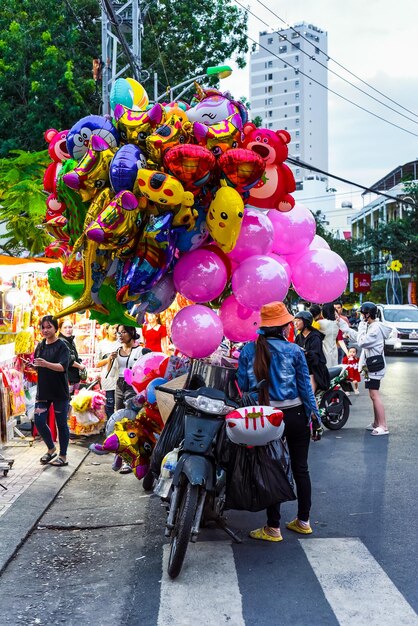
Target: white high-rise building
{"x":286,"y":74}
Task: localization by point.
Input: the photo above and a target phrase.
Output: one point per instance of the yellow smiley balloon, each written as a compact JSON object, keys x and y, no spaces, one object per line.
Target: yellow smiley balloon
{"x":224,"y":217}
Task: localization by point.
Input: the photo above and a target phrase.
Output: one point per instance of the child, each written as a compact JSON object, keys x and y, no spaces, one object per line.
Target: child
{"x":353,"y":372}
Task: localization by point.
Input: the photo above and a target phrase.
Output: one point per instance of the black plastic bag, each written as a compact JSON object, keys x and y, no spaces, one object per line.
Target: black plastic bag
{"x":171,"y":436}
{"x":258,"y":477}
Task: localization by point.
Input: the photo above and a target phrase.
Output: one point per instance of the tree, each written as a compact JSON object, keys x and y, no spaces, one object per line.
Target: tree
{"x":22,"y":203}
{"x":400,"y":237}
{"x":45,"y":68}
{"x":47,"y":48}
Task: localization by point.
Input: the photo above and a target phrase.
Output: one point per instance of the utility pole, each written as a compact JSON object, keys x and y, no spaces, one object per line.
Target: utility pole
{"x":121,"y":35}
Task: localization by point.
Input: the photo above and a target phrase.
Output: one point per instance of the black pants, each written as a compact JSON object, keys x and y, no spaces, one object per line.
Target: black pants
{"x":110,"y":403}
{"x":297,"y":434}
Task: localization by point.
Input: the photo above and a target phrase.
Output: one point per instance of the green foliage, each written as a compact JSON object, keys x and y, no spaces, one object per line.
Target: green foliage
{"x":45,"y":68}
{"x":181,"y":39}
{"x":22,"y":203}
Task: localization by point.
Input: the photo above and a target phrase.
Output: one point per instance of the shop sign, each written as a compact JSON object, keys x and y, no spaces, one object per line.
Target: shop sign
{"x":360,"y":282}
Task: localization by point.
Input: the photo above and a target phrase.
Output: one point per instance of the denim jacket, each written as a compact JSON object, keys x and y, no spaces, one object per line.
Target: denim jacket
{"x":289,"y":375}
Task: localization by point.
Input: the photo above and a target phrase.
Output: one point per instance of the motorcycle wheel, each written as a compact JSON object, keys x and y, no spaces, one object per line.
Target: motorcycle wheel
{"x":182,"y":529}
{"x":335,"y":421}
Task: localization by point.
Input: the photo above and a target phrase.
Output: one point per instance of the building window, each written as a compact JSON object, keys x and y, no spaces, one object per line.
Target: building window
{"x":285,"y":65}
{"x":297,"y":58}
{"x":285,"y":115}
{"x":297,"y":120}
{"x":270,"y":125}
{"x":269,"y":101}
{"x":316,"y":50}
{"x":297,"y":109}
{"x":268,"y":77}
{"x":297,"y":133}
{"x":270,"y":113}
{"x":285,"y":78}
{"x":297,"y":96}
{"x":282,"y":37}
{"x":294,"y":35}
{"x":284,"y":90}
{"x":270,"y":89}
{"x":298,"y":146}
{"x":269,"y":41}
{"x":282,"y":49}
{"x":270,"y":64}
{"x":297,"y":171}
{"x":285,"y":103}
{"x":296,"y":83}
{"x":296,"y":45}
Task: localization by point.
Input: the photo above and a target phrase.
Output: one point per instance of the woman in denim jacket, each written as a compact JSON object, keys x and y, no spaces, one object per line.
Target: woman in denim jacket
{"x":283,"y":366}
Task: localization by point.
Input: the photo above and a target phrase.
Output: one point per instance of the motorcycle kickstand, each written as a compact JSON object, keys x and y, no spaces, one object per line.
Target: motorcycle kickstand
{"x":221,"y":523}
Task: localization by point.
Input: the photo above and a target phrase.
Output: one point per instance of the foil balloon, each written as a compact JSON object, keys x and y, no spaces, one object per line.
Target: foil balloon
{"x":150,"y":390}
{"x":259,"y":280}
{"x":319,"y":276}
{"x":241,"y":168}
{"x":79,"y":135}
{"x":135,"y":126}
{"x":117,"y":224}
{"x":150,"y":261}
{"x":129,"y":93}
{"x":196,"y":331}
{"x":174,"y":132}
{"x":146,"y":368}
{"x":293,"y":231}
{"x":255,"y":237}
{"x":200,"y":275}
{"x":213,"y":106}
{"x":239,"y":322}
{"x":92,"y":173}
{"x":192,"y":239}
{"x":124,"y":167}
{"x":220,"y":137}
{"x":156,"y":300}
{"x":190,"y":164}
{"x":224,"y":217}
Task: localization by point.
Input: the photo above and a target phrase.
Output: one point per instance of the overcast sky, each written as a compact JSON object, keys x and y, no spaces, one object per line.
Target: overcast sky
{"x":378,"y":41}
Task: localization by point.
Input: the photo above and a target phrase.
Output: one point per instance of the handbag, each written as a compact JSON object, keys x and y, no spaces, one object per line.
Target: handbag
{"x":83,"y":374}
{"x":375,"y":363}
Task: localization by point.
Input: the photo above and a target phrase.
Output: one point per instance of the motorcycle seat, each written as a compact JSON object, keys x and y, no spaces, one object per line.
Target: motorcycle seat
{"x":335,"y":371}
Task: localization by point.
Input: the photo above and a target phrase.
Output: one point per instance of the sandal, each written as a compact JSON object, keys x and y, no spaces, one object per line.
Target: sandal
{"x":298,"y":527}
{"x":379,"y":430}
{"x":59,"y":462}
{"x":46,"y":458}
{"x":260,"y":533}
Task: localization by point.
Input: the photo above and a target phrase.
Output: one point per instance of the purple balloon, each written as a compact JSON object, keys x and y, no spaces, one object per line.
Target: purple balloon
{"x":239,"y":322}
{"x":318,"y":242}
{"x":124,"y":167}
{"x":319,"y":276}
{"x":200,"y":275}
{"x":258,"y":281}
{"x":255,"y":237}
{"x":293,"y":231}
{"x":196,"y":331}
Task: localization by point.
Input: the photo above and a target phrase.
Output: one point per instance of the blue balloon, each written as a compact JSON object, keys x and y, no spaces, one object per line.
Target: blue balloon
{"x":150,"y":391}
{"x":124,"y":167}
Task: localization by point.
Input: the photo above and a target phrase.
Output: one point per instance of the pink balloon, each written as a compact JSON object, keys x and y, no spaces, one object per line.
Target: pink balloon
{"x":293,"y":231}
{"x":283,"y":262}
{"x":320,"y":276}
{"x":258,"y":281}
{"x":145,"y":369}
{"x":255,"y":237}
{"x":196,"y":331}
{"x":200,"y":275}
{"x":239,"y":322}
{"x":318,"y":242}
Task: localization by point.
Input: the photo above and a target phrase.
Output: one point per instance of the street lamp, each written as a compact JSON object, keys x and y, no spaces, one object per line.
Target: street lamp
{"x":221,"y":71}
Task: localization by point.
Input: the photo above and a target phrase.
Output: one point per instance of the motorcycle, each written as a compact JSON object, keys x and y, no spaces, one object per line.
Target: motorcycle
{"x":333,"y":403}
{"x":192,"y":484}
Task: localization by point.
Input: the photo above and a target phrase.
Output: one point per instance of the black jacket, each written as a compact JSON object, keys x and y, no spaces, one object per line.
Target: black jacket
{"x":73,"y":372}
{"x":315,"y":357}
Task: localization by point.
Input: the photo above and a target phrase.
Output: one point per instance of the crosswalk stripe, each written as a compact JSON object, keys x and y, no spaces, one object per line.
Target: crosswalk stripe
{"x":205,"y":592}
{"x":355,"y":585}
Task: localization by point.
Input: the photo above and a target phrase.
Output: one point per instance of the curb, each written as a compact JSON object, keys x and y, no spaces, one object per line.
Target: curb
{"x":19,"y":522}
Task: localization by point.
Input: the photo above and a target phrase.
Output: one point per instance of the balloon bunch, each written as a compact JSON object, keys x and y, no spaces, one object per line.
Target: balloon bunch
{"x":187,"y":198}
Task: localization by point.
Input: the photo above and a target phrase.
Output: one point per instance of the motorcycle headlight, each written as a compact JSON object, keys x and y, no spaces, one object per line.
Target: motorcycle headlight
{"x":208,"y":405}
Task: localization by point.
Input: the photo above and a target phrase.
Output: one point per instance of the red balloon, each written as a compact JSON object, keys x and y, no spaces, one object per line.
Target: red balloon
{"x":192,"y":165}
{"x":241,"y":168}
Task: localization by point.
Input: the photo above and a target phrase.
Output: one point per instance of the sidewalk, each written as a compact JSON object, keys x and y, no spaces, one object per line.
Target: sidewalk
{"x":31,"y":489}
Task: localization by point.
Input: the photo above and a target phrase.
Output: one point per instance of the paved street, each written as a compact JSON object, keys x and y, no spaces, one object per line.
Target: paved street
{"x":98,"y":554}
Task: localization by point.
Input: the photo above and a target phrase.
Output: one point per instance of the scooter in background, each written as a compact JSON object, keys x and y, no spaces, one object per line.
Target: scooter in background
{"x":333,"y":403}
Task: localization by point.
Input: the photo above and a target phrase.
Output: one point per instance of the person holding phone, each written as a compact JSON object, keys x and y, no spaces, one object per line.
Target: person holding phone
{"x":108,"y":376}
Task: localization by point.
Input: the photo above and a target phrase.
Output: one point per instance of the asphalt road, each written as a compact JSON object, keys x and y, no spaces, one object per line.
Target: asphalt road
{"x":98,"y":556}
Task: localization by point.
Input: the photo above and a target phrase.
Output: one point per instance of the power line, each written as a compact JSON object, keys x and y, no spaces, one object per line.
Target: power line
{"x":337,"y":63}
{"x":312,"y":168}
{"x":313,"y":58}
{"x":299,"y":71}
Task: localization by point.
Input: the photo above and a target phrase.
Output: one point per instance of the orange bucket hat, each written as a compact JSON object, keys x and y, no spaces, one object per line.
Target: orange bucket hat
{"x":275,"y":314}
